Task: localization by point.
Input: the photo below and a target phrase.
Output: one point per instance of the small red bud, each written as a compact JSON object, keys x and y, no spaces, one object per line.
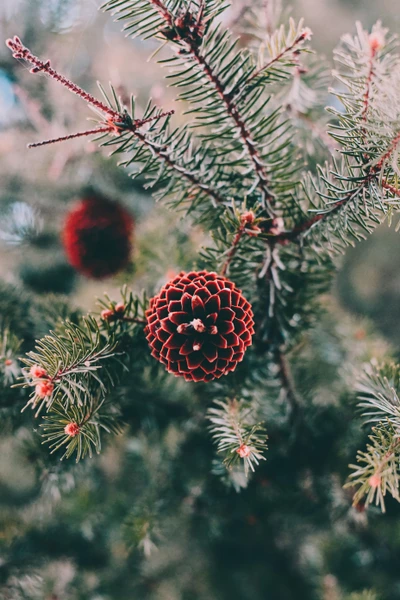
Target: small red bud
{"x":120,"y":307}
{"x":37,"y":372}
{"x":243,"y":451}
{"x":44,"y":388}
{"x":72,"y":429}
{"x":375,"y":480}
{"x":107,"y":314}
{"x":248,"y":218}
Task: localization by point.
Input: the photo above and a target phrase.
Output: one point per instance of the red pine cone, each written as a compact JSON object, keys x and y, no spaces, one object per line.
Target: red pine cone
{"x":97,"y":237}
{"x":199,"y":326}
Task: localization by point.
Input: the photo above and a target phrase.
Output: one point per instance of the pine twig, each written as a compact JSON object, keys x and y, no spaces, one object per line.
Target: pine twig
{"x":232,"y":110}
{"x":116,"y":122}
{"x":305,"y":35}
{"x":245,"y":135}
{"x":22,"y":52}
{"x":71,"y":136}
{"x":288,"y":383}
{"x":233,"y":249}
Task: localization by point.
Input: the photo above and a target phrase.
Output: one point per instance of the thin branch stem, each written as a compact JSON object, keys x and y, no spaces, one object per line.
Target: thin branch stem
{"x":72,"y":136}
{"x":288,"y":382}
{"x":133,"y":320}
{"x":233,"y":249}
{"x":278,"y":57}
{"x":214,"y":195}
{"x":368,"y":85}
{"x":245,"y":135}
{"x":22,"y":52}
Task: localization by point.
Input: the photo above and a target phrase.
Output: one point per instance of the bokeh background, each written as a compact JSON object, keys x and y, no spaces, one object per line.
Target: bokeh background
{"x":39,"y":186}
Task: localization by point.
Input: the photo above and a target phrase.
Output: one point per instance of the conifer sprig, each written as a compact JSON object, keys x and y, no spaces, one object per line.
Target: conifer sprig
{"x":65,"y":365}
{"x":77,"y":429}
{"x":238,"y":437}
{"x":377,"y":470}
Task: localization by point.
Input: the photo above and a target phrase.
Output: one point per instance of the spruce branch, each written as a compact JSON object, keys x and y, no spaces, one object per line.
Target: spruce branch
{"x":166,"y":156}
{"x":66,"y":365}
{"x":212,"y":71}
{"x":119,"y":123}
{"x":130,"y":309}
{"x":38,"y":66}
{"x":78,"y":428}
{"x":237,"y":435}
{"x":247,"y":140}
{"x":281,"y":48}
{"x":378,"y":468}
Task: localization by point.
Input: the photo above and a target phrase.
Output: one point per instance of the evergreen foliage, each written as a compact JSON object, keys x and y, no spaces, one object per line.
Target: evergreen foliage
{"x":276,"y":224}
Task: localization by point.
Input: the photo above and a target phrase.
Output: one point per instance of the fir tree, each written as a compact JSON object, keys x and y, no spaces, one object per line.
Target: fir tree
{"x":267,"y":359}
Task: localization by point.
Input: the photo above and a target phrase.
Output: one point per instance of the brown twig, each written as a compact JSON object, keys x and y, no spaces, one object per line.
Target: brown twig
{"x":133,"y":320}
{"x":245,"y":135}
{"x":268,"y":65}
{"x":288,"y":382}
{"x":22,"y":52}
{"x":71,"y":136}
{"x":233,"y":249}
{"x":232,"y":110}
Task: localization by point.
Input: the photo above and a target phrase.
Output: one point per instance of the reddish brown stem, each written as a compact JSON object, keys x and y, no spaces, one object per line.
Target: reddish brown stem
{"x":288,"y":382}
{"x":21,"y":52}
{"x":163,"y":10}
{"x":277,"y":58}
{"x":233,"y":112}
{"x":217,"y":198}
{"x":233,"y":249}
{"x":71,"y":136}
{"x":133,"y":320}
{"x":368,"y":84}
{"x":390,"y":150}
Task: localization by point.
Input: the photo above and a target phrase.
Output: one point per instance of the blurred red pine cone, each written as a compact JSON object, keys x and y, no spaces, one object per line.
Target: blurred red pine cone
{"x":97,"y":237}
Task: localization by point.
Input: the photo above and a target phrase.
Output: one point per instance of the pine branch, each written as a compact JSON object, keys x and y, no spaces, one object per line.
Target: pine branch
{"x":247,"y":140}
{"x":66,"y":365}
{"x":78,"y":428}
{"x":214,"y":72}
{"x":378,"y":468}
{"x":119,"y":123}
{"x":351,"y":193}
{"x":236,"y":434}
{"x":282,"y":48}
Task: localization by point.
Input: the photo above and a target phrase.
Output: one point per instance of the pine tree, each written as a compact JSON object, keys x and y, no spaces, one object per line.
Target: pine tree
{"x":208,"y":508}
